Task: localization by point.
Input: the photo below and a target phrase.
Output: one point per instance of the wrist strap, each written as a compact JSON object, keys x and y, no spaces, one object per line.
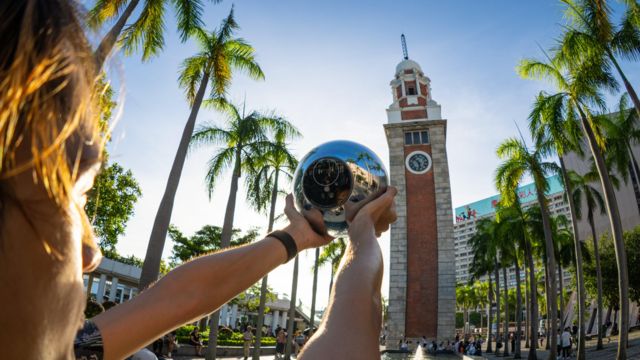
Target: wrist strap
{"x":287,"y":241}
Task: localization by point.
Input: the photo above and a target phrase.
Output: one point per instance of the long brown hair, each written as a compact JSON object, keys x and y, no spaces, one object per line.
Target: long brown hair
{"x":47,"y":93}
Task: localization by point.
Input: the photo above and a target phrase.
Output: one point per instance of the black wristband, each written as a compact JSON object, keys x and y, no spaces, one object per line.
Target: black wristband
{"x":287,"y":241}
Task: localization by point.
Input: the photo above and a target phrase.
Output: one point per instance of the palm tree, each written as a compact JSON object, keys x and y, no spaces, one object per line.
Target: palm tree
{"x":513,"y":229}
{"x":579,"y":85}
{"x":220,"y":54}
{"x":582,"y":189}
{"x":332,"y":254}
{"x":292,"y":309}
{"x":245,"y":144}
{"x":484,"y":247}
{"x":592,"y":37}
{"x":621,"y":133}
{"x":465,"y":297}
{"x":555,"y":129}
{"x":519,"y":161}
{"x":147,"y":32}
{"x":481,"y":289}
{"x":563,"y":241}
{"x":263,"y":186}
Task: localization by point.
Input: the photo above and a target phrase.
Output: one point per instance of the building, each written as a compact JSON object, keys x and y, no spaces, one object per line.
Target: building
{"x":118,"y":282}
{"x":113,"y":281}
{"x":467,"y":215}
{"x":628,"y":200}
{"x":422,"y":263}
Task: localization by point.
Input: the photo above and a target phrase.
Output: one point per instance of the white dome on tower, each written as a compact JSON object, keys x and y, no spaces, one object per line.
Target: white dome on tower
{"x":407,"y":64}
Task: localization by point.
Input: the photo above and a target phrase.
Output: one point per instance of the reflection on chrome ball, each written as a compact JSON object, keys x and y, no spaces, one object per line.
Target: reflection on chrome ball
{"x":334,"y":174}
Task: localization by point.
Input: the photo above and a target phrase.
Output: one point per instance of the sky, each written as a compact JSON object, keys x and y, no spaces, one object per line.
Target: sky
{"x":328,"y":65}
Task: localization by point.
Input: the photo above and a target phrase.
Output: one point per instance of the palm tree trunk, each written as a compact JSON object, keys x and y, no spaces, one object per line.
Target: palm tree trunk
{"x":314,"y":289}
{"x":616,"y":230}
{"x":561,"y":291}
{"x":497,"y":279}
{"x":596,"y":254}
{"x":516,"y":350}
{"x":292,"y":310}
{"x":551,"y":265}
{"x":547,"y":303}
{"x":109,"y":41}
{"x":333,"y":273}
{"x":533,"y":300}
{"x":505,"y":329}
{"x":527,"y":333}
{"x":151,"y":265}
{"x":489,"y":317}
{"x":225,"y":241}
{"x":635,"y":176}
{"x":627,"y":85}
{"x":265,"y":279}
{"x":580,"y":355}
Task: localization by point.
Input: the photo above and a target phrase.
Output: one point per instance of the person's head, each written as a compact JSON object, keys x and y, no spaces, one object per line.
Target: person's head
{"x":50,"y":151}
{"x":108,"y":304}
{"x":196,"y":330}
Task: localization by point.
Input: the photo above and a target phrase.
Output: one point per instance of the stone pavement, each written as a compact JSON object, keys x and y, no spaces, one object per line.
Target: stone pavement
{"x":608,"y":353}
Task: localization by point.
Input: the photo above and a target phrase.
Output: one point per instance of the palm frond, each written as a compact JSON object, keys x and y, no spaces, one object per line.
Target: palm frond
{"x":189,"y":14}
{"x":104,"y":10}
{"x":216,"y":165}
{"x":208,"y":134}
{"x":147,"y":32}
{"x":190,"y":75}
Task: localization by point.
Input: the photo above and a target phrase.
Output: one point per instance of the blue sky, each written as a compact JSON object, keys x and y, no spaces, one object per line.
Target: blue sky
{"x":328,"y":65}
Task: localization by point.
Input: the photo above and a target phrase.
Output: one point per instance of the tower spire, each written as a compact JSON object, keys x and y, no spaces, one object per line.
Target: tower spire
{"x":405,"y":53}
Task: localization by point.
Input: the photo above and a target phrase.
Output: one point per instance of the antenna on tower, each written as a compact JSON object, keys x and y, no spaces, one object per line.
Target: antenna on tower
{"x":404,"y":47}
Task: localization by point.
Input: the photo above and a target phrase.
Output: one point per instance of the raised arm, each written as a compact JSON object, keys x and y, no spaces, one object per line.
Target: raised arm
{"x":199,"y":287}
{"x":352,"y":323}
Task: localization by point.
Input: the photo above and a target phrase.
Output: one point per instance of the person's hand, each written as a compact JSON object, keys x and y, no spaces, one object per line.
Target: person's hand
{"x":308,"y":230}
{"x":378,"y":212}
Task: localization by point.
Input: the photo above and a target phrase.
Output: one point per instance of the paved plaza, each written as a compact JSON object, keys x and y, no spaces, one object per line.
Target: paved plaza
{"x":608,"y":353}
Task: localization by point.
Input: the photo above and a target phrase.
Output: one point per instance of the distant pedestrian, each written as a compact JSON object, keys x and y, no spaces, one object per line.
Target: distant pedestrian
{"x":195,"y":339}
{"x":281,"y":340}
{"x":247,"y":336}
{"x":565,"y":339}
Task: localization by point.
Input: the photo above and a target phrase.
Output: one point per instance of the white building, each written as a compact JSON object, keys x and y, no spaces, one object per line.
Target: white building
{"x":118,"y":282}
{"x":467,"y":215}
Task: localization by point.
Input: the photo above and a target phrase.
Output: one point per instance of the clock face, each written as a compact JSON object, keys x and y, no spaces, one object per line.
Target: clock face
{"x":418,"y":162}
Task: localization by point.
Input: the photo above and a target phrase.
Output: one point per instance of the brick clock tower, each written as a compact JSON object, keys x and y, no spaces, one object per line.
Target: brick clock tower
{"x":422,"y":277}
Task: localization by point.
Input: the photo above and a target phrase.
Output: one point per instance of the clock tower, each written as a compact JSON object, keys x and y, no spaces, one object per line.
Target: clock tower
{"x":422,"y":276}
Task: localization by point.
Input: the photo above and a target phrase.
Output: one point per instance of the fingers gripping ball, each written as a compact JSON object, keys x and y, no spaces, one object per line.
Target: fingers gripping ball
{"x":337,"y":178}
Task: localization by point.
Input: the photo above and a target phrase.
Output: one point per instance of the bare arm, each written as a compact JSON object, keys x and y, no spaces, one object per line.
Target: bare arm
{"x":354,"y":314}
{"x":197,"y":288}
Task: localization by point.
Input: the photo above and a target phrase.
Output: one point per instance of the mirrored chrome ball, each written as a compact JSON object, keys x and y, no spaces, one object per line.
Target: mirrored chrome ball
{"x":334,"y":174}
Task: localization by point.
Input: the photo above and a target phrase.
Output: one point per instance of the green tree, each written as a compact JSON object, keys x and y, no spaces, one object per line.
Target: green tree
{"x":582,"y":189}
{"x":147,"y":31}
{"x":555,"y":129}
{"x":485,"y":260}
{"x":609,"y":268}
{"x":264,"y":184}
{"x":110,"y":204}
{"x":331,"y":255}
{"x":220,"y":54}
{"x":518,"y":161}
{"x":465,"y":297}
{"x":592,"y":37}
{"x":579,"y":84}
{"x":513,"y":231}
{"x":204,"y":241}
{"x":620,"y":129}
{"x":245,"y":141}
